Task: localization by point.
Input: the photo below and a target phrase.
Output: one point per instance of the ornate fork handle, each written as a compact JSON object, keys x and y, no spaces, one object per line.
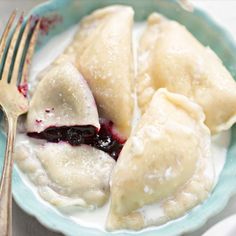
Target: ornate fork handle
{"x":5,"y":187}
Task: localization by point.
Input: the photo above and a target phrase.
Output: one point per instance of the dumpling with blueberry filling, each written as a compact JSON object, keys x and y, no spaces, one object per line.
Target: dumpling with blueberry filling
{"x":59,"y":155}
{"x":170,"y":57}
{"x":164,"y":166}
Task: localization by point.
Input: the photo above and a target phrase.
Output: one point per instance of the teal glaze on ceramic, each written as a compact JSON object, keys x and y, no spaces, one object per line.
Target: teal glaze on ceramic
{"x":209,"y":33}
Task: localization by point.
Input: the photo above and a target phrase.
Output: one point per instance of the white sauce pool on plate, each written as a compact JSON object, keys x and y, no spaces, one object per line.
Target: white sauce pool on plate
{"x":97,"y":217}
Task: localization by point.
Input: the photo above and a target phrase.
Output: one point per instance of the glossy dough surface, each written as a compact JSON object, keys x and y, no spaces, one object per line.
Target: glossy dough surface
{"x":166,"y":160}
{"x":64,"y":175}
{"x":170,"y":57}
{"x":62,"y":98}
{"x":102,"y":51}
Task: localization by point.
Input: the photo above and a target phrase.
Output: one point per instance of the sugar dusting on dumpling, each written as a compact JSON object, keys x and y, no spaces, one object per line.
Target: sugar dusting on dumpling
{"x":66,"y":176}
{"x":169,"y":171}
{"x":103,"y":48}
{"x":175,"y":60}
{"x":62,"y":98}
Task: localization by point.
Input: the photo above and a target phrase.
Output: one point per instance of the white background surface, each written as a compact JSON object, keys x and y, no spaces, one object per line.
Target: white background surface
{"x":224,"y":11}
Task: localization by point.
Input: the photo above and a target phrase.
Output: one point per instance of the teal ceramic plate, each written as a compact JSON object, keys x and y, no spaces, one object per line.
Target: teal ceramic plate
{"x":65,"y":13}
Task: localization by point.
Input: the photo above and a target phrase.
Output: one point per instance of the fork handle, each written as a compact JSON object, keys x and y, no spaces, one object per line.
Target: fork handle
{"x":6,"y":181}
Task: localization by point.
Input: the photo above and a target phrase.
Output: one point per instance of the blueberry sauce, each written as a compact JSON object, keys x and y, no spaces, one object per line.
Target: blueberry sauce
{"x":47,"y":23}
{"x":23,"y":89}
{"x":103,"y":139}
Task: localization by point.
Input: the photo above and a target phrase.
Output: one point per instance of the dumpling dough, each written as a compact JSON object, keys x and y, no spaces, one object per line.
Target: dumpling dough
{"x":170,"y":57}
{"x":64,"y":175}
{"x":62,"y":98}
{"x":102,"y":51}
{"x":166,"y":161}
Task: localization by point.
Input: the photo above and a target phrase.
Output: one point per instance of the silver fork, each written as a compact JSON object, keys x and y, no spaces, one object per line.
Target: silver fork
{"x":12,"y":101}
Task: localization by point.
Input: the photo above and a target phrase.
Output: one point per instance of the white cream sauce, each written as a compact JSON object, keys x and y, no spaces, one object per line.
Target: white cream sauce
{"x":97,"y":218}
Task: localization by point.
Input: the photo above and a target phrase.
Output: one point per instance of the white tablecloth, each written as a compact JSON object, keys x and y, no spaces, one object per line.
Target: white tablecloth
{"x":222,"y":10}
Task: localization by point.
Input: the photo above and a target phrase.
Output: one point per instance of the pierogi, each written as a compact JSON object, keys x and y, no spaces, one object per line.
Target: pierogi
{"x":170,"y":57}
{"x":166,"y":160}
{"x":62,"y":98}
{"x":102,"y":51}
{"x":66,"y":176}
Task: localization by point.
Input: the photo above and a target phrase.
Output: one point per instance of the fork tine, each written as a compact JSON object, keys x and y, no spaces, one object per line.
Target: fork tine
{"x":20,"y":52}
{"x":11,"y":50}
{"x":29,"y":54}
{"x":5,"y":34}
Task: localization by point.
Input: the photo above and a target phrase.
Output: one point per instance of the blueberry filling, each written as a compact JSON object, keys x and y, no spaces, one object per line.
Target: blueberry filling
{"x":23,"y":89}
{"x":103,"y":139}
